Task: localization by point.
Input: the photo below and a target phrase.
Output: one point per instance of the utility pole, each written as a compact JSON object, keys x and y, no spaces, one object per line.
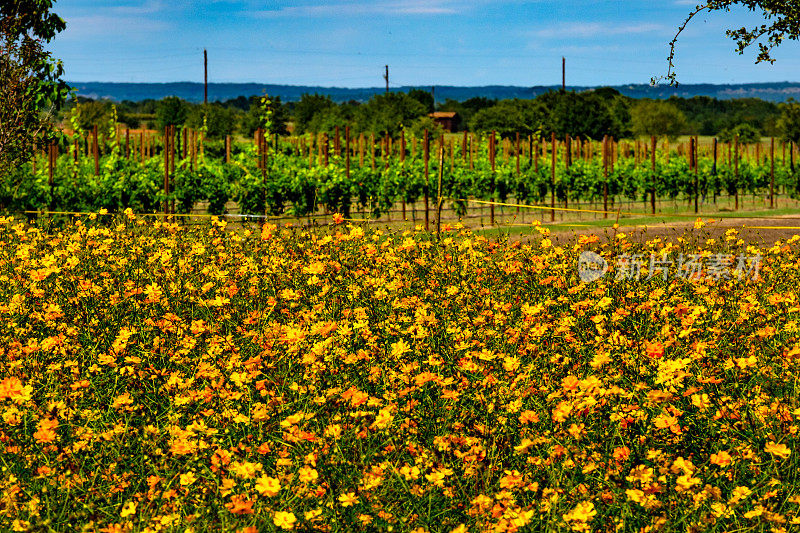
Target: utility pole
{"x":563,"y":74}
{"x":205,"y":66}
{"x":386,"y":77}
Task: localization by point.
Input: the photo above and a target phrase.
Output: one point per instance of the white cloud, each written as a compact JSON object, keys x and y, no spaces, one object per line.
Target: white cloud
{"x":148,"y":8}
{"x":595,"y":29}
{"x":379,"y":7}
{"x":86,"y":27}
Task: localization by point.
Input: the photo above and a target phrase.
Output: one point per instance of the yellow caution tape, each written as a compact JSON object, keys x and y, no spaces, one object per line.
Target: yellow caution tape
{"x":544,"y":208}
{"x":772,"y":227}
{"x":169,"y":215}
{"x":620,"y":212}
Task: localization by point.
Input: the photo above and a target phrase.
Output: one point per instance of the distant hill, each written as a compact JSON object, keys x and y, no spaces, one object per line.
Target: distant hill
{"x":193,"y":92}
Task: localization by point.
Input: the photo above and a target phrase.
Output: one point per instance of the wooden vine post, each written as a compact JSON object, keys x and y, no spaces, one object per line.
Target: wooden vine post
{"x":783,"y":156}
{"x":693,"y":147}
{"x":492,"y":156}
{"x":567,"y":152}
{"x":166,"y":171}
{"x":402,"y":173}
{"x":530,"y":150}
{"x":772,"y":173}
{"x":791,"y":164}
{"x":653,"y":175}
{"x":552,"y":176}
{"x":387,"y":151}
{"x":426,"y":156}
{"x":714,"y":162}
{"x":517,"y":155}
{"x":605,"y":176}
{"x":347,"y":152}
{"x":439,"y":186}
{"x":173,"y":135}
{"x":96,"y":151}
{"x":714,"y":166}
{"x":372,"y":149}
{"x":567,"y":162}
{"x":185,"y":143}
{"x":736,"y":170}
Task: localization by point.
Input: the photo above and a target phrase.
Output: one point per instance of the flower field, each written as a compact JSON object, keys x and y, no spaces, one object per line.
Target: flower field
{"x":162,"y":377}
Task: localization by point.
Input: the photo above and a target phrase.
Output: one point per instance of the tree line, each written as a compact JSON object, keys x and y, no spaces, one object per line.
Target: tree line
{"x":589,"y":114}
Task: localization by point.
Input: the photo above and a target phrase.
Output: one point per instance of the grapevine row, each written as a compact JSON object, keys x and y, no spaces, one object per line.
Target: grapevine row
{"x":300,"y":176}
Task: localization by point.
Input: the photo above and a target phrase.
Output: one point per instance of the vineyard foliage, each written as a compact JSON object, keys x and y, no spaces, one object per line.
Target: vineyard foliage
{"x":292,"y":183}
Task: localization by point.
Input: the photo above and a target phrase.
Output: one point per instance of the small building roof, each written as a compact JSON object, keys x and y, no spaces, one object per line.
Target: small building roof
{"x":443,"y":114}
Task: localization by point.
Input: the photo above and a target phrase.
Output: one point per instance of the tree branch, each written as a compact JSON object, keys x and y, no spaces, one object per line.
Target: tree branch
{"x":670,"y":69}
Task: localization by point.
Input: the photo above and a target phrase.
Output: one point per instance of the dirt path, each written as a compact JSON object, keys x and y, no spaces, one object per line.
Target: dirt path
{"x":757,"y":231}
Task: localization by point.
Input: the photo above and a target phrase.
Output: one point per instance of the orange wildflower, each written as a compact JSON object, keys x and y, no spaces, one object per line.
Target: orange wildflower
{"x":239,"y":504}
{"x":10,"y":387}
{"x":46,"y":431}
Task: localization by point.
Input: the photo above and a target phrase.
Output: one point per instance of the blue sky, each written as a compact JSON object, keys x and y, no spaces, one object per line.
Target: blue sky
{"x":346,"y":43}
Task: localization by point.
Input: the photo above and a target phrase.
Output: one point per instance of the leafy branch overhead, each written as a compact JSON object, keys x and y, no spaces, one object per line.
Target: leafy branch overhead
{"x":781,"y":22}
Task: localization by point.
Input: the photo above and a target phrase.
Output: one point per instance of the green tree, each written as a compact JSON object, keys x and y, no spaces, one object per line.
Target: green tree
{"x":418,"y":127}
{"x":92,"y":113}
{"x":620,"y":108}
{"x":308,"y":106}
{"x":748,"y":134}
{"x":339,"y":115}
{"x":219,"y":120}
{"x":388,"y":113}
{"x":781,"y":22}
{"x":789,"y":122}
{"x":242,"y":103}
{"x":584,"y":114}
{"x":657,"y":118}
{"x":508,"y":117}
{"x":171,"y":111}
{"x":31,"y":88}
{"x":423,"y":97}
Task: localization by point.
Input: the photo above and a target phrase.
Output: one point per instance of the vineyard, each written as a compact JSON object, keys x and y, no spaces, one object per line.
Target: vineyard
{"x":178,"y":171}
